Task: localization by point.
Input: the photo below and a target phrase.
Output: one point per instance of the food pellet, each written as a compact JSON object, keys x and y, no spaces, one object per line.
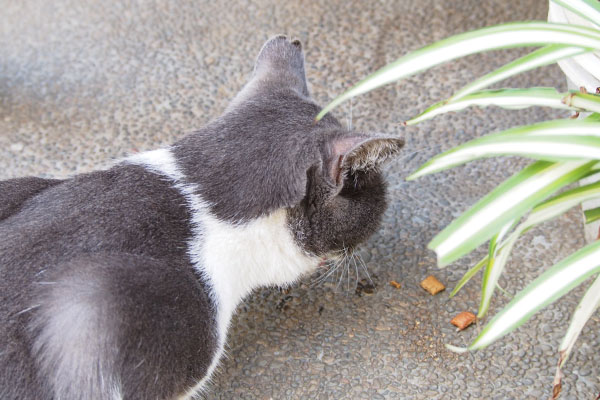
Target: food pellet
{"x":432,"y":285}
{"x":462,"y":320}
{"x":395,"y":284}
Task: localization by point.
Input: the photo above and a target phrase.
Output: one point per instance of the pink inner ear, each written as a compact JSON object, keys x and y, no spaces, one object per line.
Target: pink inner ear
{"x":339,"y":148}
{"x":367,"y":152}
{"x":344,"y":145}
{"x":338,"y":173}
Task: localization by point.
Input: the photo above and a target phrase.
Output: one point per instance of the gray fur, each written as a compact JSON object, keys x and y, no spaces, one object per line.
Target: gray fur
{"x":15,"y":192}
{"x":98,"y":295}
{"x":108,"y":250}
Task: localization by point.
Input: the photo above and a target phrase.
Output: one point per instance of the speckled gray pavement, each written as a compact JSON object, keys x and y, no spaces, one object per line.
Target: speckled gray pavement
{"x":83,"y":83}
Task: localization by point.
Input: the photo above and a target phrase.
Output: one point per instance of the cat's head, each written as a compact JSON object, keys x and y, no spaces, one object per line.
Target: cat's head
{"x":267,"y":153}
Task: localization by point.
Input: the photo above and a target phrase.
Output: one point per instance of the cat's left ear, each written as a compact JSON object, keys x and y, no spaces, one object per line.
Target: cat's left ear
{"x":358,"y":153}
{"x":281,"y":63}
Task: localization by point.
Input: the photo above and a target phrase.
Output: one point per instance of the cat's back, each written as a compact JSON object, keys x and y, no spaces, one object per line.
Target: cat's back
{"x":124,"y":209}
{"x":127,"y":211}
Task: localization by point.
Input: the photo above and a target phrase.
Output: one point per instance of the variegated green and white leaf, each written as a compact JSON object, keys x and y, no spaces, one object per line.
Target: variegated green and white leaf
{"x":587,"y":306}
{"x":548,"y":287}
{"x":594,"y":117}
{"x":493,"y":271}
{"x":570,"y":127}
{"x":553,"y":148}
{"x":592,"y":215}
{"x":588,"y":9}
{"x":506,"y":98}
{"x":583,"y":101}
{"x":468,"y":275}
{"x":538,"y":58}
{"x":485,"y":39}
{"x":559,"y":204}
{"x":541,"y":213}
{"x":510,"y":200}
{"x":551,"y":141}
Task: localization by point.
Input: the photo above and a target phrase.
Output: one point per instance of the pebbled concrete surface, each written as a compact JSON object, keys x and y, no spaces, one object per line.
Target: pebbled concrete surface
{"x":84,"y":82}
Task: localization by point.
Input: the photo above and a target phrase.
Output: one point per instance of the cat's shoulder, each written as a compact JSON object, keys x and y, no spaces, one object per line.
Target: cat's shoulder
{"x":15,"y":192}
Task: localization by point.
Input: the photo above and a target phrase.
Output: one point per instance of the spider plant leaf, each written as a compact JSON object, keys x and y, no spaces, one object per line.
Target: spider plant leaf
{"x":592,"y":215}
{"x":551,"y":141}
{"x":564,"y":201}
{"x":540,"y":57}
{"x":548,"y":287}
{"x":510,"y":200}
{"x":456,"y":349}
{"x":492,"y":272}
{"x":542,"y":212}
{"x":593,"y":117}
{"x":583,"y":101}
{"x":468,"y":275}
{"x":506,"y":98}
{"x":491,"y":38}
{"x":588,"y":9}
{"x":587,"y":306}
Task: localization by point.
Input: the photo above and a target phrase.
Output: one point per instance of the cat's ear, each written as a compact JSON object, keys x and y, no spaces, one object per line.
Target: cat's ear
{"x":281,"y":62}
{"x":361,"y":152}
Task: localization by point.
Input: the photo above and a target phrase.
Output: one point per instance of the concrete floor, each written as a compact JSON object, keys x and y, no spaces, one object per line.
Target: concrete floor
{"x":84,"y":82}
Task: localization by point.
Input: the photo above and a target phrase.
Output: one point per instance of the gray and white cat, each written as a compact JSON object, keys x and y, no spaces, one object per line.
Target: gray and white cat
{"x":120,"y":284}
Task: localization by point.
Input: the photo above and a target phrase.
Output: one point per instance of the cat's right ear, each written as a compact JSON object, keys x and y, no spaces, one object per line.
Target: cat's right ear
{"x":348,"y":154}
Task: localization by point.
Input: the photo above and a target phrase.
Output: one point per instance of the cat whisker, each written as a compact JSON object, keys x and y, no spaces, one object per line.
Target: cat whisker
{"x":346,"y":269}
{"x":27,"y":309}
{"x":340,"y":280}
{"x":322,"y":278}
{"x":412,"y":154}
{"x":347,"y":277}
{"x":356,"y":270}
{"x":364,"y":267}
{"x":342,"y":270}
{"x":349,"y":119}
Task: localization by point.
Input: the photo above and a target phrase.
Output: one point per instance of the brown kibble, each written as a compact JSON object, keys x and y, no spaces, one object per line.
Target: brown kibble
{"x":432,"y":285}
{"x":395,"y":284}
{"x":462,"y":320}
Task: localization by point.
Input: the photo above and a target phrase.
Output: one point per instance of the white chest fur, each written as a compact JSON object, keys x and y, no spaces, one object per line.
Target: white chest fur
{"x":233,"y":259}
